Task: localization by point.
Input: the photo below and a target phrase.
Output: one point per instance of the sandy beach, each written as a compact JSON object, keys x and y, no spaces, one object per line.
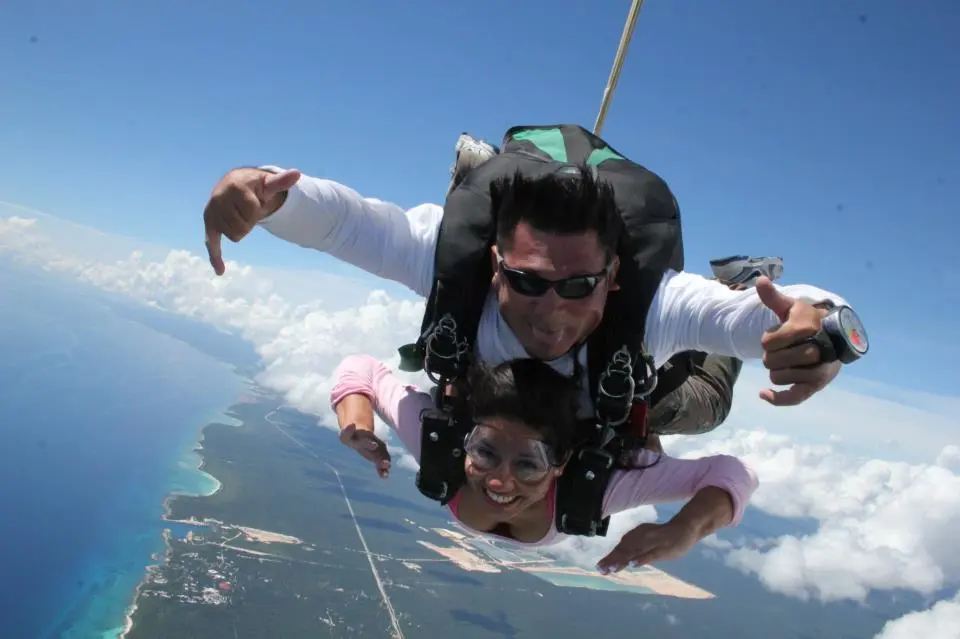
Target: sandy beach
{"x":468,"y":557}
{"x":267,"y":537}
{"x":462,"y":558}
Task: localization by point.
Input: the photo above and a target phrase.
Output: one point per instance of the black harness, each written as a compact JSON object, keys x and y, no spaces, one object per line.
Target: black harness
{"x":621,"y":374}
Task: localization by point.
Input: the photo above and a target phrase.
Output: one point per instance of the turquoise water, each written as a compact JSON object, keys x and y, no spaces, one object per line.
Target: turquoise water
{"x":99,"y":418}
{"x":592,"y":583}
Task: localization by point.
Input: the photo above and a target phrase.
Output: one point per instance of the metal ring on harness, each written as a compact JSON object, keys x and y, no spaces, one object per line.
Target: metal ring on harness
{"x":615,"y":390}
{"x":443,"y":351}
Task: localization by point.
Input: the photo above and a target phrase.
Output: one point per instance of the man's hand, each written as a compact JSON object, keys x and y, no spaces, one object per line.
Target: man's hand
{"x":239,"y":201}
{"x":648,"y":543}
{"x":368,"y":445}
{"x":789,"y":361}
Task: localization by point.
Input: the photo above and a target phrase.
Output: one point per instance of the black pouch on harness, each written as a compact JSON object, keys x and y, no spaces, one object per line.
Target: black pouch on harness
{"x":441,"y":470}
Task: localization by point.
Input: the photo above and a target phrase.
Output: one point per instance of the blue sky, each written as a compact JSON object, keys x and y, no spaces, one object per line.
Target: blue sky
{"x":818,"y":131}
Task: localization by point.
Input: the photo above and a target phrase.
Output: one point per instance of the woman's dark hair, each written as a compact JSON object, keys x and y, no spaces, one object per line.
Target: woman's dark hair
{"x":529,"y":391}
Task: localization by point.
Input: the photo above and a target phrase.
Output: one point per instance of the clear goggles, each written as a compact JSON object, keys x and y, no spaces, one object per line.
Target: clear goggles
{"x":529,"y":460}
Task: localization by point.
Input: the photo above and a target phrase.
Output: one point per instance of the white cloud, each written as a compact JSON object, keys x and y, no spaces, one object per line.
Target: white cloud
{"x":299,"y":343}
{"x":949,"y":458}
{"x":941,"y":621}
{"x":883,"y":524}
{"x":877,"y":467}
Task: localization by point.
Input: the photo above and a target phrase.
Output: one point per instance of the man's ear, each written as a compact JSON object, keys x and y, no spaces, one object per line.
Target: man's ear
{"x":612,"y":284}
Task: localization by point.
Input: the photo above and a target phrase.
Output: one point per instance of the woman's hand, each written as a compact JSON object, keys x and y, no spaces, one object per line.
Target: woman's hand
{"x":368,"y":445}
{"x":710,"y":509}
{"x":649,"y":543}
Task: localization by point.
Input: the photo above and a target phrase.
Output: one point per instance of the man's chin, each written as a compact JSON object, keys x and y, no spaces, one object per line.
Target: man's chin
{"x":550,"y":348}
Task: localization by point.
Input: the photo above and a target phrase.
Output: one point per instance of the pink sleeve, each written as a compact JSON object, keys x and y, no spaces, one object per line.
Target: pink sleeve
{"x":671,"y":479}
{"x":398,"y":404}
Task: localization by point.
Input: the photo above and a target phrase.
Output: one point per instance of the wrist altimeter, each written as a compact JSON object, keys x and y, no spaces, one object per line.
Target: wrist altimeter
{"x":842,"y":336}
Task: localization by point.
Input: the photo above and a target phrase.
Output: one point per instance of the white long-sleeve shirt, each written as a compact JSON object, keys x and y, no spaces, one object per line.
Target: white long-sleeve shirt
{"x":689,"y":312}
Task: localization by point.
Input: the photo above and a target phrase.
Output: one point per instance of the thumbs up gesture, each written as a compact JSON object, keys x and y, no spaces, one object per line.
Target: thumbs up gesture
{"x":239,"y":201}
{"x":791,"y":359}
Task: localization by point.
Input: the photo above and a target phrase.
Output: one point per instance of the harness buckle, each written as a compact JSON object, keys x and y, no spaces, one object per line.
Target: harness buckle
{"x":649,"y":379}
{"x":593,"y":460}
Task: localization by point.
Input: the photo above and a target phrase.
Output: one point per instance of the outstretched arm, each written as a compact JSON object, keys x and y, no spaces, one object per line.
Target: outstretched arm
{"x":693,"y":313}
{"x":661,"y":479}
{"x":379,"y":237}
{"x":364,"y":385}
{"x":720,"y":486}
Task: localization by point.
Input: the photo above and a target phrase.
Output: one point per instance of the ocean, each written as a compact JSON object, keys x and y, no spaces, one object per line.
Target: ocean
{"x":99,"y":417}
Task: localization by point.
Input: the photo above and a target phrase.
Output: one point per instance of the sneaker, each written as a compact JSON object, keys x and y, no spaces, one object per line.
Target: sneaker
{"x":471,"y":153}
{"x":744,"y":271}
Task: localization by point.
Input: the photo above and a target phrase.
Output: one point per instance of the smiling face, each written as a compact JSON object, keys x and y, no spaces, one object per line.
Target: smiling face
{"x":554,"y":260}
{"x":524,"y":414}
{"x":552,"y":288}
{"x":509,"y":467}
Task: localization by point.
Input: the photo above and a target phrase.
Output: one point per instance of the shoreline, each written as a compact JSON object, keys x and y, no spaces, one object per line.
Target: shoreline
{"x":160,"y":559}
{"x":200,"y":469}
{"x":132,"y":608}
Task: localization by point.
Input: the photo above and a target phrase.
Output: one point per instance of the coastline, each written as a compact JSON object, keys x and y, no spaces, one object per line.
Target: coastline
{"x":121,"y":633}
{"x":198,"y":466}
{"x":200,"y":469}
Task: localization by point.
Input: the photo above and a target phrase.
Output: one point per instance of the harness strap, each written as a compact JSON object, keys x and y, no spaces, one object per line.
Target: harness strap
{"x":581,"y":488}
{"x":441,"y":470}
{"x":583,"y":485}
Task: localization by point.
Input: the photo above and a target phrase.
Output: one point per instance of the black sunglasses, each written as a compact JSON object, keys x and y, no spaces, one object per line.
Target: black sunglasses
{"x":576,"y":287}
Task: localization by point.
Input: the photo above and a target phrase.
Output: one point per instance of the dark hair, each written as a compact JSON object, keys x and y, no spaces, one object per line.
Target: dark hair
{"x":529,"y":391}
{"x":557,"y":203}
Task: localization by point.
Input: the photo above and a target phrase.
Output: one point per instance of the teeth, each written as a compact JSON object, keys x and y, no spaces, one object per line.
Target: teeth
{"x":500,"y":499}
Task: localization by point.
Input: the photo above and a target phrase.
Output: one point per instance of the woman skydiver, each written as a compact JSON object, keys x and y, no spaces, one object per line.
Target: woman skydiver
{"x":524,"y":428}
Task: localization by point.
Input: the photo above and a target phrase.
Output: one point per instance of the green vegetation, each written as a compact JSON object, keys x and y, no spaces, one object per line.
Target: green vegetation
{"x":210,"y":587}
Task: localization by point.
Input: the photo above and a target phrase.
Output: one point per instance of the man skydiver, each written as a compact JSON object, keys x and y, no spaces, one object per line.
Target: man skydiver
{"x":689,"y":312}
{"x":695,"y":390}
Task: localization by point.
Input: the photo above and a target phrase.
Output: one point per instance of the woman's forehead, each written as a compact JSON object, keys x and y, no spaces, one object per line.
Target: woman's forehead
{"x":509,"y":429}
